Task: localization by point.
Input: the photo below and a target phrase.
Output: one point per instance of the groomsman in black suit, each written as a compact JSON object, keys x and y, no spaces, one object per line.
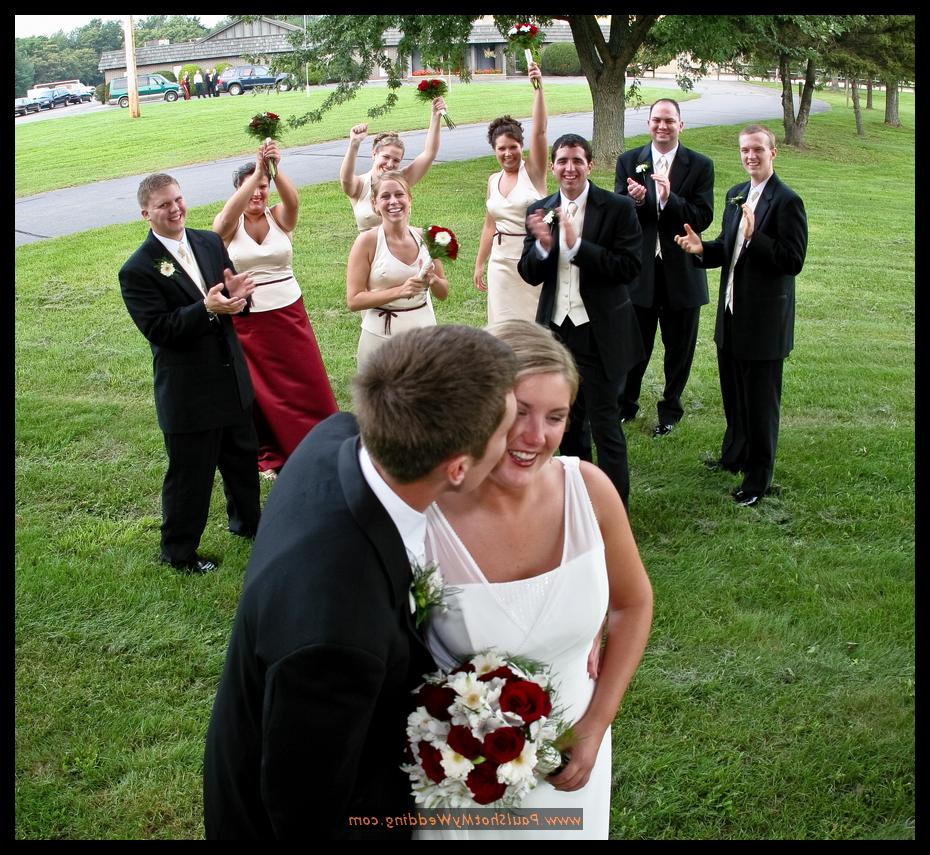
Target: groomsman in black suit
{"x":760,"y":250}
{"x":307,"y":733}
{"x":671,"y":185}
{"x":585,"y":255}
{"x":180,"y":289}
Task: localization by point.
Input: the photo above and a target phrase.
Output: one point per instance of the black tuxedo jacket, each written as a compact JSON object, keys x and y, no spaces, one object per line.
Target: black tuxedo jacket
{"x":608,"y":259}
{"x":690,"y":200}
{"x":308,"y":727}
{"x":763,"y":280}
{"x":201,"y":377}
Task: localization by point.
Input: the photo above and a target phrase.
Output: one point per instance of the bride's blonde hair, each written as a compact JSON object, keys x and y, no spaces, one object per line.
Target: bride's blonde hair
{"x":538,"y":351}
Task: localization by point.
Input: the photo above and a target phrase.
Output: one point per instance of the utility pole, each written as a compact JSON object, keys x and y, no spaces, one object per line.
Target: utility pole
{"x":132,"y":86}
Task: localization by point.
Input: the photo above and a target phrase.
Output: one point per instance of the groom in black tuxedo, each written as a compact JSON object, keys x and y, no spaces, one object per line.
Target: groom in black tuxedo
{"x":759,"y":251}
{"x":180,"y":290}
{"x":308,"y":727}
{"x":585,"y":256}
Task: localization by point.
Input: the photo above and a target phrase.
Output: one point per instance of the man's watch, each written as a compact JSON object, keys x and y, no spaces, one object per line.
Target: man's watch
{"x":210,"y":313}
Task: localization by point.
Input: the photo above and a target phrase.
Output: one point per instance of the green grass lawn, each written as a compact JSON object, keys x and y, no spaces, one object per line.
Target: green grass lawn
{"x":776,"y":695}
{"x":110,"y":144}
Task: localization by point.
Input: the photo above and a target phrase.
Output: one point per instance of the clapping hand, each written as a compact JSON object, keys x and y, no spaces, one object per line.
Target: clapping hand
{"x":636,"y":191}
{"x":540,"y":230}
{"x":690,"y":241}
{"x":663,"y":187}
{"x":239,"y":286}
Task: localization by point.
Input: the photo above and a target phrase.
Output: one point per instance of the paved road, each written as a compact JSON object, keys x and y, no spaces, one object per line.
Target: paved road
{"x":75,"y":209}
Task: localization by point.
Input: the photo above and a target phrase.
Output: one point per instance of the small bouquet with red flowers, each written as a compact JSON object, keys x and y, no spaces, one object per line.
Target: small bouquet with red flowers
{"x":528,"y":37}
{"x":440,"y":242}
{"x":266,"y":126}
{"x":430,"y":90}
{"x":484,"y":734}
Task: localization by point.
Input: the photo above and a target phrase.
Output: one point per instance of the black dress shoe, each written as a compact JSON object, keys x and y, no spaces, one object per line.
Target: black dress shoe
{"x":195,"y":565}
{"x":628,"y":415}
{"x":745,"y":499}
{"x":662,"y":430}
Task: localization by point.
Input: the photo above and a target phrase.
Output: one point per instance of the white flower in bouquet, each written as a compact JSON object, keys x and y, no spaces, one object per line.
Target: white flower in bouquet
{"x":455,"y":765}
{"x":521,"y":768}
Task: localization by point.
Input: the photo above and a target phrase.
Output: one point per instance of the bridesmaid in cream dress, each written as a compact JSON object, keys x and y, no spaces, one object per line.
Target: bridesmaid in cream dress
{"x":387,"y":151}
{"x":536,"y":556}
{"x":510,"y":192}
{"x":391,"y":278}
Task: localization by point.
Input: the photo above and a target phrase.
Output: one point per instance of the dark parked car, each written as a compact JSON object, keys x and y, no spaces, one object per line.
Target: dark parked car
{"x":81,"y":96}
{"x":22,"y":106}
{"x":51,"y":98}
{"x":237,"y":79}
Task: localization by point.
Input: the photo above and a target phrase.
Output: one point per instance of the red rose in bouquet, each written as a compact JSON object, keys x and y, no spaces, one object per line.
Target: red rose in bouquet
{"x":437,"y":700}
{"x":525,"y":698}
{"x":460,"y":739}
{"x":265,"y":126}
{"x":431,"y":758}
{"x":483,"y":783}
{"x":503,"y":744}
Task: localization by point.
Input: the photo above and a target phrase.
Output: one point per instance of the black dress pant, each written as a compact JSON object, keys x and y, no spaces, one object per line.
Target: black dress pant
{"x":679,"y":328}
{"x":596,"y":407}
{"x":193,"y":459}
{"x":751,"y":392}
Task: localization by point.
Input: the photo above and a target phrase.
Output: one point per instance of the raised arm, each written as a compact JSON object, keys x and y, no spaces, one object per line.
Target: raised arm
{"x":537,"y":163}
{"x":350,"y":182}
{"x":226,"y":221}
{"x":420,"y":165}
{"x":286,"y":211}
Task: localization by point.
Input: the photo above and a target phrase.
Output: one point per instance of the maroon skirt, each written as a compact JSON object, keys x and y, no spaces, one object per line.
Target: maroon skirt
{"x":292,"y":391}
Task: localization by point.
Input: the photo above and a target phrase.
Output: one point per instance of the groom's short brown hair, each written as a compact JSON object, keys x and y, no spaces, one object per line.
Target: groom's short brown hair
{"x":429,"y":394}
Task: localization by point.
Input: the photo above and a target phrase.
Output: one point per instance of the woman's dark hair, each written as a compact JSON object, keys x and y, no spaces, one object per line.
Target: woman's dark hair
{"x":241,"y":172}
{"x":505,"y":125}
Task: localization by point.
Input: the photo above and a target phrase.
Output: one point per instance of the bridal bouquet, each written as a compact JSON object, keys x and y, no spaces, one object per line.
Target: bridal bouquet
{"x":484,"y":734}
{"x":528,"y":37}
{"x":430,"y":90}
{"x":265,"y":127}
{"x":440,"y":242}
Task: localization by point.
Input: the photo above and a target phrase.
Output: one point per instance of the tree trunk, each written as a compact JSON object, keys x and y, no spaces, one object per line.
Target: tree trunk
{"x":857,"y":108}
{"x":796,"y":126}
{"x":891,"y":104}
{"x":604,"y":64}
{"x":868,"y":95}
{"x":835,"y":83}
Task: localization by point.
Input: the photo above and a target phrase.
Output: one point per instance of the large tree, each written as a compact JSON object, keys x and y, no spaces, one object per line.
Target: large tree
{"x":350,"y":48}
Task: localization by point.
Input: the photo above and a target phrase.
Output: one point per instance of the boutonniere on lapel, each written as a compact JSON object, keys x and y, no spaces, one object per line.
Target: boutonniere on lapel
{"x":551,"y":216}
{"x":165,"y":267}
{"x":427,"y":591}
{"x":737,"y":200}
{"x":642,"y":169}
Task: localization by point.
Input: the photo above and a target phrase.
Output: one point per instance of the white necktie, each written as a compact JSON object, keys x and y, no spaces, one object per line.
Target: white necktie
{"x":191,"y":266}
{"x":738,"y":246}
{"x":661,"y":168}
{"x":185,"y":255}
{"x":572,"y":210}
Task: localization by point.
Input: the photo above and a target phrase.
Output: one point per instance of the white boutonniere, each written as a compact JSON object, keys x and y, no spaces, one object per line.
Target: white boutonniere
{"x":552,"y":216}
{"x":642,"y":167}
{"x":165,"y":267}
{"x":427,"y":591}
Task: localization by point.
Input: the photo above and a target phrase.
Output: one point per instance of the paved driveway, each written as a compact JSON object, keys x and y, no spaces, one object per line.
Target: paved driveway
{"x":75,"y":209}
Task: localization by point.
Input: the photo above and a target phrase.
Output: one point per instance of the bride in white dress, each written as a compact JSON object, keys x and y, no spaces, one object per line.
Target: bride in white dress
{"x":539,"y":553}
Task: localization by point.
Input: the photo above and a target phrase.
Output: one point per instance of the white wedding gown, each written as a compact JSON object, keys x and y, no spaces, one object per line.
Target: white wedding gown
{"x":552,"y":618}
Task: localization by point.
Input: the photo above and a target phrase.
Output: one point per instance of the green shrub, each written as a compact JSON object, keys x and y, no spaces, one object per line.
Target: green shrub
{"x":222,"y":66}
{"x":102,"y":93}
{"x":559,"y":60}
{"x":190,"y":68}
{"x":168,"y":74}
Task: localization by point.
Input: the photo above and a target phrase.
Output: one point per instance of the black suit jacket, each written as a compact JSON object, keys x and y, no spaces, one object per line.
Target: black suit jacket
{"x":763,"y":280}
{"x":690,"y":200}
{"x":309,"y":722}
{"x":201,"y":377}
{"x":608,"y":259}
